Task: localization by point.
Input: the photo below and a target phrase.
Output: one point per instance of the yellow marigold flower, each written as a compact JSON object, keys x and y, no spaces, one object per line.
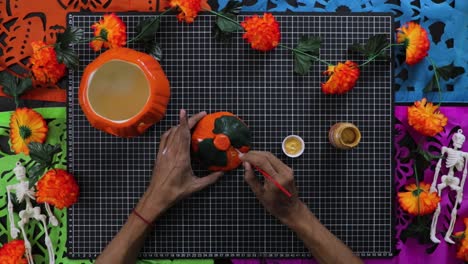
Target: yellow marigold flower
{"x":58,"y":188}
{"x":110,"y":31}
{"x":13,"y":252}
{"x":189,"y":9}
{"x":462,"y":252}
{"x":416,"y":42}
{"x":26,"y":126}
{"x":418,"y":201}
{"x":426,"y":118}
{"x":262,"y":33}
{"x":343,"y":78}
{"x":45,"y":67}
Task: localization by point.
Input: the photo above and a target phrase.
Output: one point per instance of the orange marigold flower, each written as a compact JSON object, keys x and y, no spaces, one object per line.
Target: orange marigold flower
{"x":262,"y":33}
{"x":416,"y":42}
{"x":58,"y":188}
{"x":189,"y":9}
{"x":418,"y":201}
{"x":13,"y":252}
{"x":462,"y":252}
{"x":343,"y":78}
{"x":426,"y":118}
{"x":110,"y":31}
{"x":45,"y":66}
{"x":26,"y":126}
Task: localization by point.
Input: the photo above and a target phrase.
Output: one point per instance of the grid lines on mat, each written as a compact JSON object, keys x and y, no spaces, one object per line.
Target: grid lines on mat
{"x":349,"y":191}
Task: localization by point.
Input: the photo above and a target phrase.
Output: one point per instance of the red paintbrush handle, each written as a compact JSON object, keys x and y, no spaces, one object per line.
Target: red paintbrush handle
{"x":268,"y":177}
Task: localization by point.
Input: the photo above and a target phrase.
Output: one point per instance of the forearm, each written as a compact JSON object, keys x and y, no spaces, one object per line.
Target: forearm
{"x":322,"y":244}
{"x":126,"y":245}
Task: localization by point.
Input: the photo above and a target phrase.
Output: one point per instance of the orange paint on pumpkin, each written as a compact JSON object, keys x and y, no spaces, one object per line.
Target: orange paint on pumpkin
{"x":123,"y":92}
{"x":222,"y":142}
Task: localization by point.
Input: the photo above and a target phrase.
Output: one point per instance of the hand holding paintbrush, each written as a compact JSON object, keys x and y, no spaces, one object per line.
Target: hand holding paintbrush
{"x":278,"y":193}
{"x":269,"y":177}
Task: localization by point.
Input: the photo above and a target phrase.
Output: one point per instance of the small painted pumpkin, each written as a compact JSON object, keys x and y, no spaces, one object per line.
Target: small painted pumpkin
{"x":217,"y":138}
{"x":123,"y":92}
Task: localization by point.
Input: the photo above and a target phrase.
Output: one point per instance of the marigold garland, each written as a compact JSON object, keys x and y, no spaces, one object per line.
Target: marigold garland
{"x":45,"y":67}
{"x":343,"y":78}
{"x":262,"y":33}
{"x":416,"y":42}
{"x":418,"y":201}
{"x":426,"y":118}
{"x":13,"y":253}
{"x":58,"y":188}
{"x":26,"y":126}
{"x":109,"y":32}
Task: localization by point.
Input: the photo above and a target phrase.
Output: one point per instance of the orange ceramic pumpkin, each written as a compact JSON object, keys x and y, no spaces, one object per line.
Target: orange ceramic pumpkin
{"x":123,"y":92}
{"x":217,"y":138}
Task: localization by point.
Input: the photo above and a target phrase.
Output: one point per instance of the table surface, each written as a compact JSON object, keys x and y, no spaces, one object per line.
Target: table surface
{"x":446,"y":22}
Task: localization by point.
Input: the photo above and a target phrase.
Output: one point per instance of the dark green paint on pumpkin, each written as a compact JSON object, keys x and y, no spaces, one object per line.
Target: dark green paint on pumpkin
{"x":210,"y":155}
{"x":235,"y":129}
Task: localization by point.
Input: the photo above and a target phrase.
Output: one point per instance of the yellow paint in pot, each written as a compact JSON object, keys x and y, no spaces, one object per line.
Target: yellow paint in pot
{"x":293,"y":146}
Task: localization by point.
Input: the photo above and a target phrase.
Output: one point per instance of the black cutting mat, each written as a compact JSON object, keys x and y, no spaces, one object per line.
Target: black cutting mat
{"x":349,"y":191}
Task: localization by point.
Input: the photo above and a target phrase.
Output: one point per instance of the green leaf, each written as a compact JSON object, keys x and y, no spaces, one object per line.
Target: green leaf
{"x":69,"y":36}
{"x":153,"y":49}
{"x":220,"y":35}
{"x":307,"y":45}
{"x":68,"y":57}
{"x":35,"y":173}
{"x":210,"y":155}
{"x":419,"y":228}
{"x":43,"y":154}
{"x":445,"y":72}
{"x":223,"y":26}
{"x":14,"y":86}
{"x":24,"y":85}
{"x":9,"y":82}
{"x":372,"y":47}
{"x":427,"y":155}
{"x":146,"y":30}
{"x":450,"y":71}
{"x":231,"y":126}
{"x":227,"y":25}
{"x":431,"y":85}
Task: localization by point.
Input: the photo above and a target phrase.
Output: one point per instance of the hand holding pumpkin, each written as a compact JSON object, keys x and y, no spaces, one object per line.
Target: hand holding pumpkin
{"x":173,"y":178}
{"x":274,"y":201}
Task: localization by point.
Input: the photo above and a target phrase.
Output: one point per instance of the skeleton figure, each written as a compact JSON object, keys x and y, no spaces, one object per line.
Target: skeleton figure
{"x":456,"y":160}
{"x":26,"y":194}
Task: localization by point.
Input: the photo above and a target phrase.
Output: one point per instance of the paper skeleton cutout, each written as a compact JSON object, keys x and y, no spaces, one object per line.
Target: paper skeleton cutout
{"x":456,"y":160}
{"x":26,"y":194}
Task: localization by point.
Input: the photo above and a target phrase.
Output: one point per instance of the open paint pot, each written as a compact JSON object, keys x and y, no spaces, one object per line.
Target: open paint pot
{"x":293,"y":146}
{"x":344,"y":135}
{"x":123,"y":92}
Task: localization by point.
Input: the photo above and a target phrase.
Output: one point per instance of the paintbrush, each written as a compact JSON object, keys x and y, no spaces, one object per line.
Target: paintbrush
{"x":270,"y":178}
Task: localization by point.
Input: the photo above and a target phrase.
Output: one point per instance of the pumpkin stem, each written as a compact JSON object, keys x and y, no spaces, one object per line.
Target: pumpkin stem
{"x":222,"y":142}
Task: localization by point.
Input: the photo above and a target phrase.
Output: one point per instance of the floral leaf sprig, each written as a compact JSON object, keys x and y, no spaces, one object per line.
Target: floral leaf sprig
{"x":65,"y":54}
{"x":445,"y":72}
{"x":226,"y":21}
{"x":14,"y":86}
{"x":305,"y":53}
{"x":43,"y":157}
